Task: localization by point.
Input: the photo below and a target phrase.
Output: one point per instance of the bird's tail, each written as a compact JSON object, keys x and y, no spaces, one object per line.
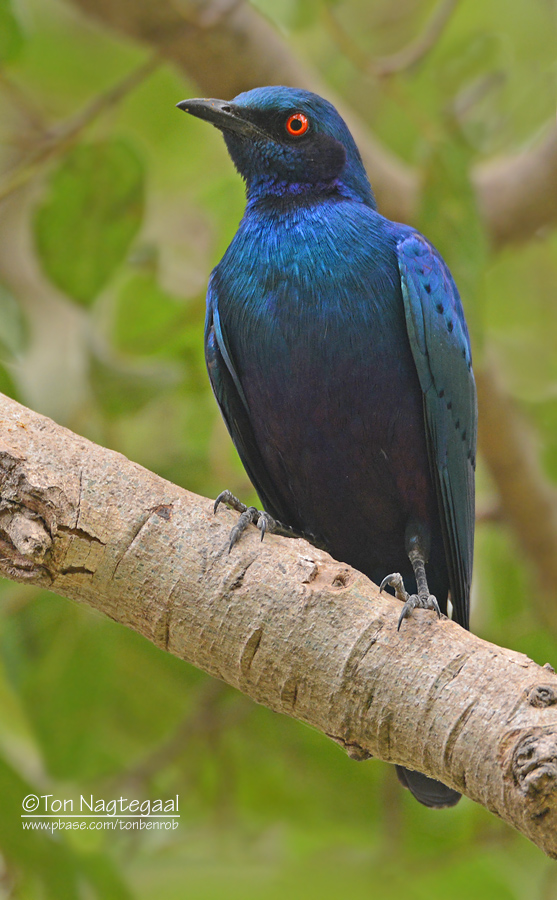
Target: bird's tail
{"x":426,"y":790}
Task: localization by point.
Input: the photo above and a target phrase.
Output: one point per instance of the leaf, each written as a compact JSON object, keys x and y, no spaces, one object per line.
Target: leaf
{"x":48,"y":859}
{"x":37,"y":853}
{"x":91,"y":214}
{"x":11,"y":33}
{"x":121,"y":388}
{"x":96,"y":696}
{"x":148,"y":320}
{"x":291,"y":14}
{"x":105,"y":879}
{"x":465,"y":59}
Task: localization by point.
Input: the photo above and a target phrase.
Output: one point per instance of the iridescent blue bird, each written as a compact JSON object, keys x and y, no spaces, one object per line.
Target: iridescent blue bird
{"x":339,"y":355}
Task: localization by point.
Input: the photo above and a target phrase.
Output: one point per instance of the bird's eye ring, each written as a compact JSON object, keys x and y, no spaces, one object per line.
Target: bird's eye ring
{"x":297,"y":125}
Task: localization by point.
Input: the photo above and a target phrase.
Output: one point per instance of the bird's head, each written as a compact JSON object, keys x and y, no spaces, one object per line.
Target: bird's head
{"x":287,"y":141}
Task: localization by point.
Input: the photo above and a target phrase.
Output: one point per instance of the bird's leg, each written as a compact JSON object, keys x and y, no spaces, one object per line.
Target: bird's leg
{"x":416,"y":547}
{"x":250,"y":515}
{"x":423,"y":599}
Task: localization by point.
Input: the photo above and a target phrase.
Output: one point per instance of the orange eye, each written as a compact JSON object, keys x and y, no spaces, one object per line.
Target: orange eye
{"x":297,"y":125}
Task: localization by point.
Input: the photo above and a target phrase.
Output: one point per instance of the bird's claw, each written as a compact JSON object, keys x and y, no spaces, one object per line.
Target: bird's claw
{"x":418,"y":601}
{"x":266,"y":523}
{"x":395,"y":581}
{"x":248,"y":515}
{"x":411,"y":601}
{"x":246,"y":518}
{"x":228,"y":498}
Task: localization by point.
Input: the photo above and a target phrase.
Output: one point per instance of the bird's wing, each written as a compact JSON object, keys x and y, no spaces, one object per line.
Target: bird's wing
{"x":234,"y":407}
{"x":441,"y":349}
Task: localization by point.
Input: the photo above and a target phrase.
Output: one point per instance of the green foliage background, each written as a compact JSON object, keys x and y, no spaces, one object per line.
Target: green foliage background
{"x":101,"y":321}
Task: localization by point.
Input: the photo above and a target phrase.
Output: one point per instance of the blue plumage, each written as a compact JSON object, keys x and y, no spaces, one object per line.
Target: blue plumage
{"x":339,"y":355}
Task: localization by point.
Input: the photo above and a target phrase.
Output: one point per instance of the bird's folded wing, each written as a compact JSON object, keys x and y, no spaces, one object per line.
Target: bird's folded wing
{"x":234,"y":407}
{"x":441,"y":349}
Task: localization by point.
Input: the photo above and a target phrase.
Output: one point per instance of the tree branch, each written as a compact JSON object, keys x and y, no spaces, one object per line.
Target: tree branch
{"x":518,"y":194}
{"x":280,"y":621}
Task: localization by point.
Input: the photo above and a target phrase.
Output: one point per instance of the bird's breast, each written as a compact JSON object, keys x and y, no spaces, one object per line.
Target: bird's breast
{"x":313,"y":316}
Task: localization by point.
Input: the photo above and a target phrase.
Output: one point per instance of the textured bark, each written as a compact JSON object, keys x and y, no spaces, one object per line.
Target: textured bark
{"x":227,"y":47}
{"x":280,"y":621}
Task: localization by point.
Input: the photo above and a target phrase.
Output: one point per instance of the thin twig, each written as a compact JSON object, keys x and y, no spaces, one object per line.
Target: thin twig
{"x":344,"y":41}
{"x":64,"y":134}
{"x":419,"y":47}
{"x":22,"y":101}
{"x":396,"y":62}
{"x":359,"y":59}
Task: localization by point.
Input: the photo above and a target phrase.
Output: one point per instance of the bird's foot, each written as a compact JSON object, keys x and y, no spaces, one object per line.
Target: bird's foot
{"x":411,"y":601}
{"x":418,"y":601}
{"x":249,"y":515}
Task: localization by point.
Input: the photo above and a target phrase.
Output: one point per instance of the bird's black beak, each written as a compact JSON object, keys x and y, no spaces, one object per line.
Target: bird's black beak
{"x":222,"y":114}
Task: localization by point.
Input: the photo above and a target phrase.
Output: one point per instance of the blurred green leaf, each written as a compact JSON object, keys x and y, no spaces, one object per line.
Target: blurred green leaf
{"x":467,"y":59}
{"x":306,"y":13}
{"x":92,"y":211}
{"x":49,"y":865}
{"x":97,"y":695}
{"x":122,"y":388}
{"x":148,"y":320}
{"x":103,"y":876}
{"x":11,"y":33}
{"x":290,"y":14}
{"x":41,"y":856}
